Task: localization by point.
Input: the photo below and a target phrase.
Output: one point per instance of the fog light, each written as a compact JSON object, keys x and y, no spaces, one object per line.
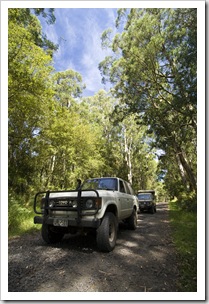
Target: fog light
{"x":74,"y":204}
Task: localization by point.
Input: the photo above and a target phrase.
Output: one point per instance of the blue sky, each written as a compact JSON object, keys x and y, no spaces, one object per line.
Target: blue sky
{"x":78,"y":33}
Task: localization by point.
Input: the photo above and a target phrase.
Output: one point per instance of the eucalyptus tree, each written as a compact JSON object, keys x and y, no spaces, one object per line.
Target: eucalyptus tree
{"x":68,"y":86}
{"x":26,"y":17}
{"x":153,"y":69}
{"x":29,"y":94}
{"x":98,"y":111}
{"x":122,"y":142}
{"x":68,"y":149}
{"x":139,"y":164}
{"x":41,"y":135}
{"x":72,"y":146}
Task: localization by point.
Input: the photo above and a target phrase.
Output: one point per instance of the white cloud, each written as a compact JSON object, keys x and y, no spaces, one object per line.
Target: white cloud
{"x":93,"y":54}
{"x":78,"y":33}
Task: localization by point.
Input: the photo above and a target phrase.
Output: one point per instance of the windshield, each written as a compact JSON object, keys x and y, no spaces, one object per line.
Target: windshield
{"x":145,"y":196}
{"x":100,"y":183}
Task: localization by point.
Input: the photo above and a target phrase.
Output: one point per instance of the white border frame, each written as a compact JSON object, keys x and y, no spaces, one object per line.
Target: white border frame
{"x":200,"y":294}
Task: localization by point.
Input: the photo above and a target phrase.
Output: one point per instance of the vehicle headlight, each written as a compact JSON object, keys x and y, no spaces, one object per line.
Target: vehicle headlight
{"x":89,"y":203}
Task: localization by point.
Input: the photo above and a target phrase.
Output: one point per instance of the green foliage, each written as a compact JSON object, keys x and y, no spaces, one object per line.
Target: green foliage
{"x":124,"y":149}
{"x":161,"y":192}
{"x":25,"y":19}
{"x":153,"y":70}
{"x":99,"y":108}
{"x":20,"y":217}
{"x":68,"y":149}
{"x":184,"y":225}
{"x":29,"y":96}
{"x":188,"y":201}
{"x":46,"y":13}
{"x":68,"y":86}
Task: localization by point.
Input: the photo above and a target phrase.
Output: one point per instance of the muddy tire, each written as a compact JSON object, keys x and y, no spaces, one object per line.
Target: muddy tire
{"x":49,"y":236}
{"x":107,"y":233}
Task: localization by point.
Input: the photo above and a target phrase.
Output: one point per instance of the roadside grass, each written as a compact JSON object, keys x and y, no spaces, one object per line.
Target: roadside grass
{"x":184,"y":225}
{"x":20,"y":218}
{"x":23,"y":225}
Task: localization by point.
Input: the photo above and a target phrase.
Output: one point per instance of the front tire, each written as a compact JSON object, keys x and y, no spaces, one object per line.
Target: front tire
{"x":49,"y":236}
{"x":152,"y":210}
{"x":155,"y":209}
{"x":107,"y":233}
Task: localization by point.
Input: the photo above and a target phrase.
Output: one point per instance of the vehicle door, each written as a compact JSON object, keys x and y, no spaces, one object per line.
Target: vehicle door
{"x":131,"y":199}
{"x":124,"y":199}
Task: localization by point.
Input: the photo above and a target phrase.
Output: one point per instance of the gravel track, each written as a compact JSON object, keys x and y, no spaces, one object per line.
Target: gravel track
{"x":143,"y":260}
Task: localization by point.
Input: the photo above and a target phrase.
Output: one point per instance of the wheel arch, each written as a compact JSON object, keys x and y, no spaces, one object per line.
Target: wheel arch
{"x":112,"y":208}
{"x":135,"y":208}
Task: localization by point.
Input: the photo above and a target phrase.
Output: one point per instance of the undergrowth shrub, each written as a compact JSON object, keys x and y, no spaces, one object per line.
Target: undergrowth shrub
{"x":184,"y":224}
{"x":188,"y":201}
{"x":20,"y":217}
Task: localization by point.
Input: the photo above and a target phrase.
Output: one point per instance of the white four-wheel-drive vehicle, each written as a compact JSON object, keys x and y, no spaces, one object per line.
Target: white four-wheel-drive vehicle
{"x":98,"y":204}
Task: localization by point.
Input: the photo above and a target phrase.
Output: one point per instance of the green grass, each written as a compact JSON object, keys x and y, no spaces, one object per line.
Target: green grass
{"x":184,"y":226}
{"x":23,"y":225}
{"x":20,"y":218}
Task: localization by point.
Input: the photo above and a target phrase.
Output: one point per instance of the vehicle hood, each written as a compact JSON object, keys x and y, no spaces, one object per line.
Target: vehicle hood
{"x":86,"y":193}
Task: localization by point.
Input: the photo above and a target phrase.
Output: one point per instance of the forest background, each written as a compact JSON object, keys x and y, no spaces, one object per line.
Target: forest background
{"x":55,"y":135}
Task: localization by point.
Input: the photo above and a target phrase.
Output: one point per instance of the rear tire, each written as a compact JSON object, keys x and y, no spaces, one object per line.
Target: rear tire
{"x":107,"y":233}
{"x":132,"y":220}
{"x":49,"y":236}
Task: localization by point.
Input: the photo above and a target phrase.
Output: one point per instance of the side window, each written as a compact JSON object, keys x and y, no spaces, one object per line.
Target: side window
{"x":128,"y":190}
{"x":122,"y":188}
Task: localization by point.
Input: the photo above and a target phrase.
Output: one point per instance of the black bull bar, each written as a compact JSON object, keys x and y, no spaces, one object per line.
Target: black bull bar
{"x":78,"y":197}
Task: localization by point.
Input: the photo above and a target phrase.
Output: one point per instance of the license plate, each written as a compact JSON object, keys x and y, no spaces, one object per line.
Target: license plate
{"x":60,"y":222}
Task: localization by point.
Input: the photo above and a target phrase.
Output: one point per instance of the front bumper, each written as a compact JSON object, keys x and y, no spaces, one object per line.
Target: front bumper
{"x":145,"y":206}
{"x":93,"y":223}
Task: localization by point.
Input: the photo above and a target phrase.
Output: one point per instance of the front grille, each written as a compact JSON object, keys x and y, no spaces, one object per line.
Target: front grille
{"x":64,"y":203}
{"x":70,"y":204}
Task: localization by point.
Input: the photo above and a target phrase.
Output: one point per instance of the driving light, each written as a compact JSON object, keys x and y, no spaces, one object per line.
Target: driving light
{"x":51,"y":204}
{"x":74,"y":204}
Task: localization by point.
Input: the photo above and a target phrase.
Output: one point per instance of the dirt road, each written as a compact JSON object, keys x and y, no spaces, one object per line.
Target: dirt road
{"x":143,"y":260}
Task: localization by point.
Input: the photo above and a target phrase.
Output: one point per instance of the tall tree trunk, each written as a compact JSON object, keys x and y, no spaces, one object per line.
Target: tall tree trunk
{"x":187,"y":169}
{"x":128,"y":157}
{"x":182,"y":171}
